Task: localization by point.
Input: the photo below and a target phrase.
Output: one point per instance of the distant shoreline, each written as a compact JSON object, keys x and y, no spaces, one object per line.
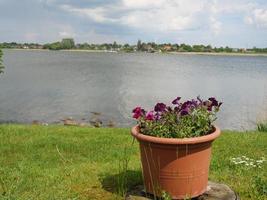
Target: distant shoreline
{"x":219,"y":54}
{"x":89,"y":50}
{"x":66,"y":50}
{"x":170,"y":52}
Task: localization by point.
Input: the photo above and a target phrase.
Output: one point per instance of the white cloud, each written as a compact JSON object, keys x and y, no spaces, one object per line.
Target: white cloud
{"x":215,"y":25}
{"x":258,"y":17}
{"x":164,"y":16}
{"x":232,"y":6}
{"x":187,"y":21}
{"x":97,"y":14}
{"x":171,"y":15}
{"x":66,"y":31}
{"x":148,"y":15}
{"x":142,"y":3}
{"x":65,"y":34}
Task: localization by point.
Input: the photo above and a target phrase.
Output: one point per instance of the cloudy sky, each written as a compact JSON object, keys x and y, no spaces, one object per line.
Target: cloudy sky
{"x":236,"y":23}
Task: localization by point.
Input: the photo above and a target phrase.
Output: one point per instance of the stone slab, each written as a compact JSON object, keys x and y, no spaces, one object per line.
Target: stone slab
{"x":215,"y":191}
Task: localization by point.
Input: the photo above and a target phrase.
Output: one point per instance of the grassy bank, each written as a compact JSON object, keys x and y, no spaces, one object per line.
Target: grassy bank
{"x":57,"y":162}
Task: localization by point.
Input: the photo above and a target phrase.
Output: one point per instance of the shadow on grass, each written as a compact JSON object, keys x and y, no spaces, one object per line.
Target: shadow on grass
{"x":121,"y":183}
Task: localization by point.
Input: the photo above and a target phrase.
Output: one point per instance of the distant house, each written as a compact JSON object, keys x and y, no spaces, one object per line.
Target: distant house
{"x":243,"y":50}
{"x":148,"y":48}
{"x":235,"y":49}
{"x":37,"y":46}
{"x":167,"y":47}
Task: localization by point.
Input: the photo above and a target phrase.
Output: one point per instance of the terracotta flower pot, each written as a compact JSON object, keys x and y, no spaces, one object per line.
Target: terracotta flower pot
{"x":177,"y":166}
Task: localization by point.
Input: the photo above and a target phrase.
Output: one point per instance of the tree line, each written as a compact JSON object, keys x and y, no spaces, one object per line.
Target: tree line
{"x":69,"y":43}
{"x":1,"y":61}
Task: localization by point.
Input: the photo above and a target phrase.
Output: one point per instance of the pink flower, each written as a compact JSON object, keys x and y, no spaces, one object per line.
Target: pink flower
{"x":138,"y":112}
{"x":150,"y":116}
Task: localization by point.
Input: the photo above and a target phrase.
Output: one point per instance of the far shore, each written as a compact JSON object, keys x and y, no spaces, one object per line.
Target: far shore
{"x":219,"y":54}
{"x":170,"y":52}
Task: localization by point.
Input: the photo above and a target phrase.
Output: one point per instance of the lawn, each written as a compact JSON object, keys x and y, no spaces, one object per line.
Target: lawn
{"x":58,"y":162}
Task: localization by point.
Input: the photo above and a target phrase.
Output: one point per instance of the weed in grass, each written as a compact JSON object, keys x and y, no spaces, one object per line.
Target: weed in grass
{"x":3,"y":186}
{"x":122,"y":182}
{"x":122,"y":178}
{"x":260,"y":184}
{"x":9,"y":185}
{"x":165,"y":196}
{"x":262,"y":126}
{"x":125,"y":179}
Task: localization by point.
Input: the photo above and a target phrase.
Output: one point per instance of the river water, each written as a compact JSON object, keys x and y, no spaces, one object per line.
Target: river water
{"x":51,"y":85}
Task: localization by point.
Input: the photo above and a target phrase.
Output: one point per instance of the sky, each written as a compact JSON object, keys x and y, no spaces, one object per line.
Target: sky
{"x":234,"y":23}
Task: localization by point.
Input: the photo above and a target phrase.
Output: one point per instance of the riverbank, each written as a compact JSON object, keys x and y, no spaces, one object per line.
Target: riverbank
{"x":59,"y":162}
{"x":176,"y":53}
{"x":170,"y":52}
{"x":66,"y":50}
{"x":218,"y":54}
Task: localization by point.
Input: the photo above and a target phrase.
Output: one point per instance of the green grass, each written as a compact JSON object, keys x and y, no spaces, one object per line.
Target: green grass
{"x":57,"y":162}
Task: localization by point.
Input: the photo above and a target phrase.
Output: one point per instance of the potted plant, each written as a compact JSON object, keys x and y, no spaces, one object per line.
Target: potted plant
{"x":175,"y":146}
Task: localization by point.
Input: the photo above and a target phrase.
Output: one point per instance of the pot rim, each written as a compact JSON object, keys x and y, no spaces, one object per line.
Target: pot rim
{"x":174,"y":141}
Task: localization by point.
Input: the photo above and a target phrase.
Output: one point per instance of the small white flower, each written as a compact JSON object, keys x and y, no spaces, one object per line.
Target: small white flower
{"x":246,"y":161}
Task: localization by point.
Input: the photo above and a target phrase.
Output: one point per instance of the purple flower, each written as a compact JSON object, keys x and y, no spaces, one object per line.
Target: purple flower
{"x":157,"y":116}
{"x":138,"y":112}
{"x":176,"y":101}
{"x":160,"y":107}
{"x":184,"y":112}
{"x":214,"y":102}
{"x":194,"y":103}
{"x":150,"y":116}
{"x":185,"y":105}
{"x":164,"y":113}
